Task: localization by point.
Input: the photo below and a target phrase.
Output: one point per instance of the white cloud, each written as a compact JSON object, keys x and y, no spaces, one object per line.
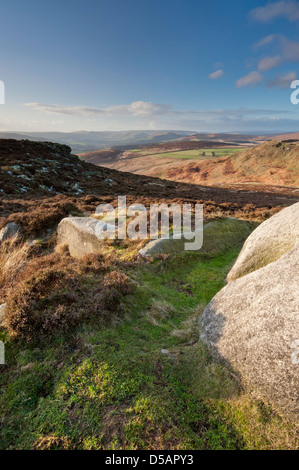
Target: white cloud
{"x":282,"y":81}
{"x":288,"y":51}
{"x":167,"y":110}
{"x":283,"y":9}
{"x":267,"y":63}
{"x":252,"y":79}
{"x":217,"y":74}
{"x":265,"y":41}
{"x":117,"y":118}
{"x":135,"y":109}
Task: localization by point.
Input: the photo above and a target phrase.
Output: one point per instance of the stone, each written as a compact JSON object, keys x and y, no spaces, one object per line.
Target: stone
{"x":2,"y":312}
{"x":167,"y":353}
{"x":272,"y":239}
{"x":253,"y":325}
{"x":9,"y":231}
{"x":82,"y":235}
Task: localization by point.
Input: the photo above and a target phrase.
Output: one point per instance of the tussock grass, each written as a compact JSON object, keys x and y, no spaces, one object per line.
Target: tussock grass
{"x":13,"y":257}
{"x":189,"y":329}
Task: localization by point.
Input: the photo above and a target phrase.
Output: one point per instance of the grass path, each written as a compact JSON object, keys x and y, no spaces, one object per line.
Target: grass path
{"x":109,"y":386}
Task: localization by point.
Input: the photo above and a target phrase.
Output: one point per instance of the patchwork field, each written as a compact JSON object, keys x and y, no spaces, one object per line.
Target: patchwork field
{"x":199,"y":154}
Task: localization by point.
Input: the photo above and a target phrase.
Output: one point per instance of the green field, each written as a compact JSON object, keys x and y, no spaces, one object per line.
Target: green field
{"x":199,"y":154}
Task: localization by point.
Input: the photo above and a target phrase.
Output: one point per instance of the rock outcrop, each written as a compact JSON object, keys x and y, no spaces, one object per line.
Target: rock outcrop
{"x":253,"y":322}
{"x":272,"y":239}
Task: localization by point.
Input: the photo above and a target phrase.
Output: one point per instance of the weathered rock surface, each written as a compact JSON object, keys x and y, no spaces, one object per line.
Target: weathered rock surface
{"x":9,"y":231}
{"x":82,"y":235}
{"x":218,"y":236}
{"x":253,"y":324}
{"x":272,"y":239}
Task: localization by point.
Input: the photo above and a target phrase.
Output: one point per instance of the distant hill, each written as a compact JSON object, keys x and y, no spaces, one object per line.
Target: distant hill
{"x":274,"y":163}
{"x":236,"y":138}
{"x":292,"y":136}
{"x":84,"y":141}
{"x":87,"y":141}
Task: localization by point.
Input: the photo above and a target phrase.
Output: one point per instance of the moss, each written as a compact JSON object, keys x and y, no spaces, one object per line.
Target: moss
{"x":223,"y":234}
{"x":261,"y":259}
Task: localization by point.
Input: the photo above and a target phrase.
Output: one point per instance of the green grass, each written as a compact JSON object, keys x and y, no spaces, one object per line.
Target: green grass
{"x":198,"y":154}
{"x":108,"y":386}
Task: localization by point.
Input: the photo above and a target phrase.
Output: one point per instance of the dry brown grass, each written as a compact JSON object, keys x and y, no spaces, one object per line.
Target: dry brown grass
{"x":13,"y":257}
{"x":190,"y":328}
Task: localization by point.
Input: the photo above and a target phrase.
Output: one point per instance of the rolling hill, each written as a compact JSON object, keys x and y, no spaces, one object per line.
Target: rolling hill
{"x":274,"y":162}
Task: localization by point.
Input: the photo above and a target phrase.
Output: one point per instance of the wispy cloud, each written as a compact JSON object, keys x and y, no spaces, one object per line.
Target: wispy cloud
{"x":201,"y":119}
{"x":282,"y":81}
{"x":250,"y":80}
{"x":217,"y":74}
{"x":162,"y":110}
{"x":267,"y":63}
{"x":288,"y":51}
{"x":135,"y":109}
{"x":271,"y":11}
{"x":264,"y":41}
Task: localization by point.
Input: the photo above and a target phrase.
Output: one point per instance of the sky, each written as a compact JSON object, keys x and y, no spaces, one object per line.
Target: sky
{"x":98,"y":65}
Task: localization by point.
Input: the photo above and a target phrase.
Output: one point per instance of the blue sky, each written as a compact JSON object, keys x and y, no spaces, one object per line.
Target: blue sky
{"x":195,"y":65}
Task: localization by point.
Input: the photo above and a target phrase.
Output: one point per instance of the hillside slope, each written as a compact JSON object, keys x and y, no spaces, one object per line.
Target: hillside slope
{"x":42,"y":182}
{"x":272,"y":163}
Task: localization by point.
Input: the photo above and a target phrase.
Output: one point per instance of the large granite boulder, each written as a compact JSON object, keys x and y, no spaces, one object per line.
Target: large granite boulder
{"x":253,"y":323}
{"x":218,"y":236}
{"x":272,"y":239}
{"x":83,"y":235}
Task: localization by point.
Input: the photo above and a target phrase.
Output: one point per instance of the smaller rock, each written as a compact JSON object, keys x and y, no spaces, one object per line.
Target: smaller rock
{"x":28,"y":366}
{"x":109,"y":181}
{"x":165,"y":352}
{"x":9,"y":231}
{"x":2,"y":312}
{"x":83,"y":235}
